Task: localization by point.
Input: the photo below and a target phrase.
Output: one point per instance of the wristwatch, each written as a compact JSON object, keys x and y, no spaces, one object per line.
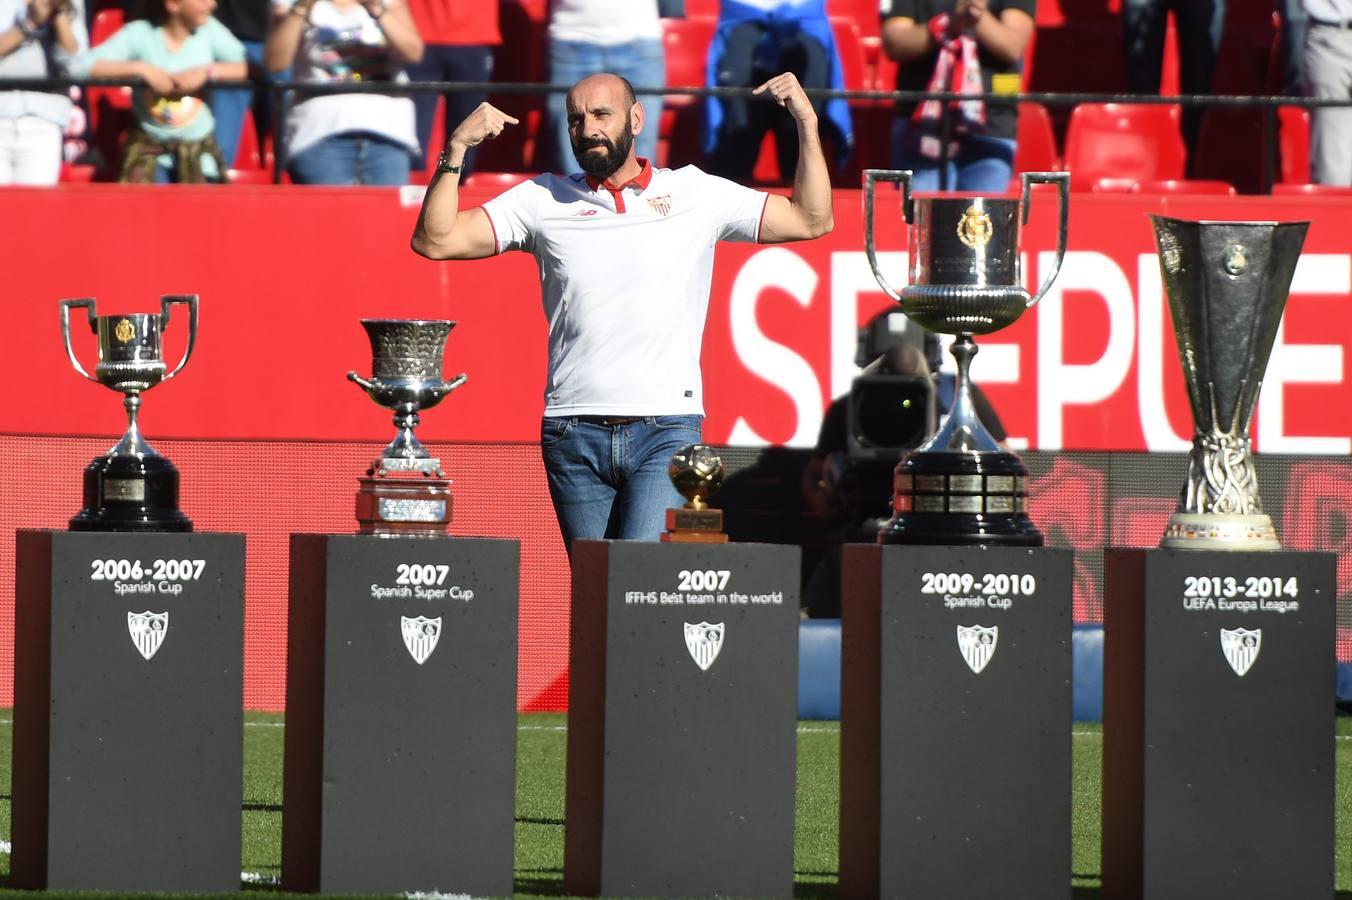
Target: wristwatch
{"x":444,"y":164}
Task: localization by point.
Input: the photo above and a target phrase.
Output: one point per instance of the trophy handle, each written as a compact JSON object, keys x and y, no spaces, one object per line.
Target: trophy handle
{"x":447,"y":386}
{"x":1062,"y":182}
{"x":166,"y":303}
{"x":872,"y":176}
{"x":66,"y":307}
{"x":361,"y":382}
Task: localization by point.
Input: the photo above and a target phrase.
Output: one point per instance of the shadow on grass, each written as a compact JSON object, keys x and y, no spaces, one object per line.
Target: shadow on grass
{"x":262,"y":807}
{"x":530,"y":820}
{"x":543,"y":882}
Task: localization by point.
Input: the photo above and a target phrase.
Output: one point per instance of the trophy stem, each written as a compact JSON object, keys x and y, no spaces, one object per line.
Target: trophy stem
{"x":962,"y":431}
{"x":132,"y":443}
{"x":405,"y":444}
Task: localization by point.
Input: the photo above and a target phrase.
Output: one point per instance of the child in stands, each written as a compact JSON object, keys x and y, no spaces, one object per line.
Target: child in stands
{"x":179,"y":52}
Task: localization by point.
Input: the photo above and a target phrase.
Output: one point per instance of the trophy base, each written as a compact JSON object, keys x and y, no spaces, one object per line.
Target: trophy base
{"x":131,"y":493}
{"x":961,"y":499}
{"x":403,"y":507}
{"x":1209,"y":531}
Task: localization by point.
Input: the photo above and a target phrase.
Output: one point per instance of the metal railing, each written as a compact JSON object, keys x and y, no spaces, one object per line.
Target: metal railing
{"x":285,"y":92}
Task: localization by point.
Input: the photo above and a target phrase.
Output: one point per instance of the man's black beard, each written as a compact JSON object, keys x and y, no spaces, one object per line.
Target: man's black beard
{"x":602,"y":165}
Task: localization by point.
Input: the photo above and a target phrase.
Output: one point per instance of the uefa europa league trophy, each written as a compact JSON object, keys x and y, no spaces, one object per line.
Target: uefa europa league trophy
{"x":1227,"y":284}
{"x":131,"y":487}
{"x":696,"y":470}
{"x":405,"y":492}
{"x":960,"y":487}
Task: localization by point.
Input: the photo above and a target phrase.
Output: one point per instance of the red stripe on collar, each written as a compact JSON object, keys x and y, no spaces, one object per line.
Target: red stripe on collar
{"x":640,"y":181}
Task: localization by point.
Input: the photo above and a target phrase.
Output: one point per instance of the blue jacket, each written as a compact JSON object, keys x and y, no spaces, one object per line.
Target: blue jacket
{"x":785,"y":21}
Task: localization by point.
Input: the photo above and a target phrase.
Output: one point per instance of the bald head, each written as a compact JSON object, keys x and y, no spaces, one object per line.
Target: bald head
{"x":603,"y":85}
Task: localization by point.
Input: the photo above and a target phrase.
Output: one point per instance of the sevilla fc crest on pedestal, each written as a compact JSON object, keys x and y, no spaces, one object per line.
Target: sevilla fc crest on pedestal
{"x":420,"y":636}
{"x":147,"y":630}
{"x":977,"y":645}
{"x":1241,"y":646}
{"x":704,"y":641}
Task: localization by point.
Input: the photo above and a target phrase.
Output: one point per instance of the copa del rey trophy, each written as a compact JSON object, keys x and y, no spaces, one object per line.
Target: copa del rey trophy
{"x":961,"y":487}
{"x":696,"y":471}
{"x":131,"y":487}
{"x":1227,"y":284}
{"x":405,"y":492}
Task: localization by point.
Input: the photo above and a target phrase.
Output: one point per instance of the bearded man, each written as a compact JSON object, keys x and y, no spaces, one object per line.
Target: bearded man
{"x":625,"y":252}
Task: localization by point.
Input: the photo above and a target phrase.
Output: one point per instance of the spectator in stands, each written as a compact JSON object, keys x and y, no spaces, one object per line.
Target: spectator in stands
{"x":1291,"y":75}
{"x":248,"y":21}
{"x":969,"y":47}
{"x":179,"y":50}
{"x":458,"y":41}
{"x":754,"y":39}
{"x":356,"y":138}
{"x":1328,"y":74}
{"x":623,"y":37}
{"x":38,"y":39}
{"x":1199,"y":24}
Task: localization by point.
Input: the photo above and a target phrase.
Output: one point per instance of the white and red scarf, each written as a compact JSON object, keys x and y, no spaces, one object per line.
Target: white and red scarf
{"x":958,"y":70}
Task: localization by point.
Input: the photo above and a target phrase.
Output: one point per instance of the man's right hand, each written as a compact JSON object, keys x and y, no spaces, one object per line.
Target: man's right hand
{"x":487,"y":121}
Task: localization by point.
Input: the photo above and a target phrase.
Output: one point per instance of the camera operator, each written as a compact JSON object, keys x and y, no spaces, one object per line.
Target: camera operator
{"x":893,"y":406}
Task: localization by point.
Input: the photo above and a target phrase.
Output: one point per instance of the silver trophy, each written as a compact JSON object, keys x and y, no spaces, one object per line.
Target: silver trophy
{"x":131,"y":487}
{"x":960,"y":486}
{"x":405,"y":491}
{"x":1227,"y":284}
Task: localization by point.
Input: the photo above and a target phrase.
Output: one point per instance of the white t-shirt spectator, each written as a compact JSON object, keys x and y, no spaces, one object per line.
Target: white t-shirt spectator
{"x":603,"y":22}
{"x":346,"y":44}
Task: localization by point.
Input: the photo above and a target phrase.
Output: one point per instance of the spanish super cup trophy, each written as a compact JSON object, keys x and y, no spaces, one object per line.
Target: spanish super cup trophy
{"x":960,"y":487}
{"x":696,"y":471}
{"x":405,"y":492}
{"x":131,"y":487}
{"x":1227,"y":284}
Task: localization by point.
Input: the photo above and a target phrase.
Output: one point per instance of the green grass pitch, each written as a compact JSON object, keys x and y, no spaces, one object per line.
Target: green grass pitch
{"x":539,"y":806}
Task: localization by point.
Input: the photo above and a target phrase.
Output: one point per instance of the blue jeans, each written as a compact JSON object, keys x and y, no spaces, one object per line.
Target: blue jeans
{"x":228,"y":105}
{"x":610,"y":481}
{"x":353,"y":157}
{"x":1200,"y":23}
{"x":982,"y":164}
{"x":643,"y":62}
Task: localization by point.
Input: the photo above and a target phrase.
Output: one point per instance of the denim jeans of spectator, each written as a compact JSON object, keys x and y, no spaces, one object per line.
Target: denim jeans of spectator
{"x":228,"y":105}
{"x":444,"y":62}
{"x":353,"y":157}
{"x":1199,"y":24}
{"x":982,"y":164}
{"x":643,"y":62}
{"x":610,"y":481}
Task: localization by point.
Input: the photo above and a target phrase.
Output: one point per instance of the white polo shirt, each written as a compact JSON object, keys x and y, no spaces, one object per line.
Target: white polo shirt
{"x":624,"y":276}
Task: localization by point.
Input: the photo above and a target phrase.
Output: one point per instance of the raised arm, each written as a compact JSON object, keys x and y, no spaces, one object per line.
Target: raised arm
{"x":807,"y":212}
{"x":444,"y":230}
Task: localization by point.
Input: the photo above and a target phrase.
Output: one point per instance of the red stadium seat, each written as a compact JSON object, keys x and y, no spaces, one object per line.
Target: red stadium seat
{"x":1311,"y":190}
{"x":1135,"y":141}
{"x":854,"y":67}
{"x":497,"y":182}
{"x":1184,"y":186}
{"x":1293,"y":144}
{"x":687,"y":47}
{"x":75,"y":173}
{"x":1035,"y":149}
{"x":866,"y":14}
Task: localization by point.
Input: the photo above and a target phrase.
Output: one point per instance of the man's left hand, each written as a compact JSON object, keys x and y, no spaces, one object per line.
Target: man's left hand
{"x":789,"y":94}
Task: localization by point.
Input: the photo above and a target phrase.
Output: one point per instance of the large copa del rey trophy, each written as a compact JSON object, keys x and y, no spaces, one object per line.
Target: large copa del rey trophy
{"x":1227,"y":284}
{"x":131,"y":487}
{"x":405,"y":492}
{"x":960,"y":487}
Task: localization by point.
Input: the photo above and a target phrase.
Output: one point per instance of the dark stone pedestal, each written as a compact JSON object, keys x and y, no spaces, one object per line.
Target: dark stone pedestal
{"x":401,"y":715}
{"x":682,"y":722}
{"x":128,"y":722}
{"x":955,"y":722}
{"x":1218,"y":748}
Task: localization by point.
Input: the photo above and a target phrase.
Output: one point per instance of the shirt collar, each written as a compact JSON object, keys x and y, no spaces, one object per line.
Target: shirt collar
{"x":640,"y":181}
